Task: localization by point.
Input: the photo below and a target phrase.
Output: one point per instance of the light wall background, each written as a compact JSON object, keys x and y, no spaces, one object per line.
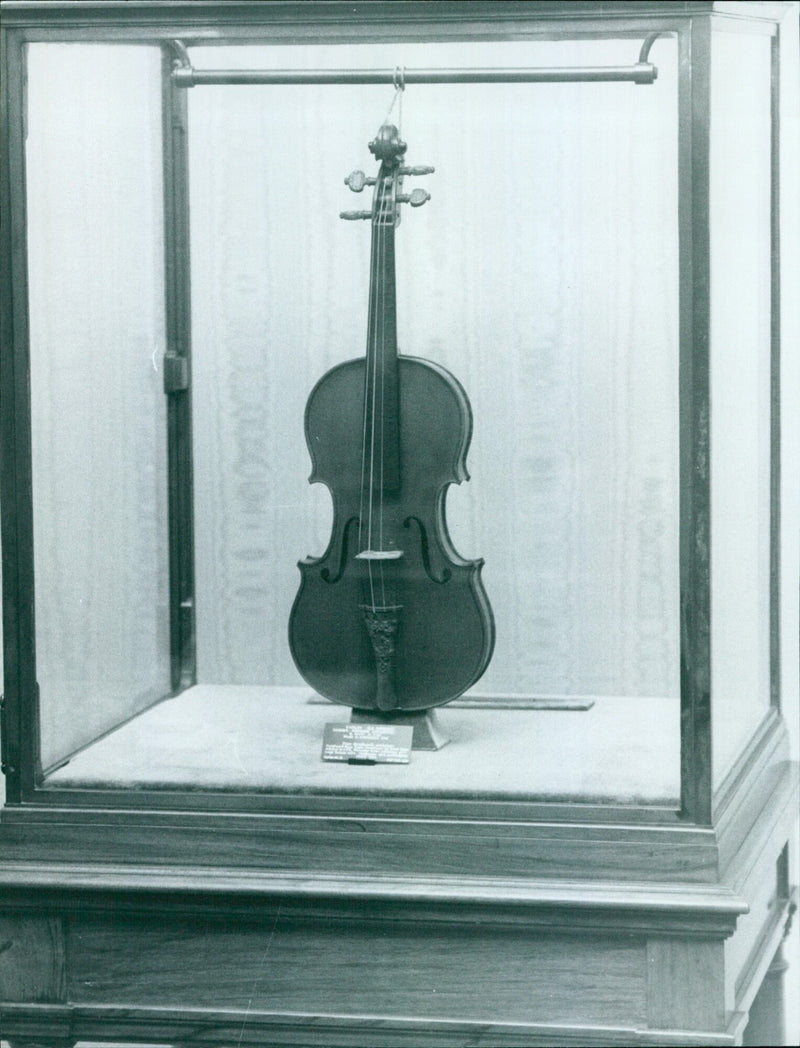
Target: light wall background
{"x":542,"y":273}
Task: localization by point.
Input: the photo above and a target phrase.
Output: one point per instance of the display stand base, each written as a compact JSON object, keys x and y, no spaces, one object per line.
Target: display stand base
{"x":503,"y":702}
{"x":428,"y":732}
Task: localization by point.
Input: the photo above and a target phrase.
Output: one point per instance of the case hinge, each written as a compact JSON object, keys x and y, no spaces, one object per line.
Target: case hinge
{"x":176,"y":373}
{"x":4,"y":769}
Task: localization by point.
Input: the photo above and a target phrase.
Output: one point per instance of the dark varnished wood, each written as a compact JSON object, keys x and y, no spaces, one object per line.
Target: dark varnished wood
{"x":177,"y":303}
{"x":160,"y":22}
{"x":495,"y":846}
{"x":173,"y":935}
{"x":255,"y":12}
{"x":362,"y":845}
{"x":50,"y":1043}
{"x":685,"y":985}
{"x":357,"y":969}
{"x":694,"y":103}
{"x":32,"y":959}
{"x":53,"y":1041}
{"x":148,"y":896}
{"x":445,"y":635}
{"x":20,"y":719}
{"x":210,"y":1028}
{"x":547,"y":907}
{"x":775,"y":384}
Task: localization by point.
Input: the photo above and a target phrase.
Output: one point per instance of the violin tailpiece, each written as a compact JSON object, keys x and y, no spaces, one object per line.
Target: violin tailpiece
{"x":382,"y":625}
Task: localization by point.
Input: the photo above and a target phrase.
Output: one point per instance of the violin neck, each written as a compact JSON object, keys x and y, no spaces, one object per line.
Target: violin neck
{"x":381,"y":392}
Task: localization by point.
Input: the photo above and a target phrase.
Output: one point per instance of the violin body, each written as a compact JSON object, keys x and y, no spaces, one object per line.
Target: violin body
{"x":445,"y":634}
{"x":390,"y":618}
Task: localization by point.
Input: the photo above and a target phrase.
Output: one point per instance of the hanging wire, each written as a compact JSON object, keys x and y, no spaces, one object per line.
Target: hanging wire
{"x":399,"y":81}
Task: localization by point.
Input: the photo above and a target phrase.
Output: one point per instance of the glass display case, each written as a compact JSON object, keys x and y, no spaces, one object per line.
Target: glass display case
{"x":573,"y":382}
{"x":599,"y":266}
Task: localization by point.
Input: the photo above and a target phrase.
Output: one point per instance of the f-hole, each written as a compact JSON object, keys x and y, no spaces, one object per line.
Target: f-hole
{"x":324,"y":573}
{"x":425,"y":550}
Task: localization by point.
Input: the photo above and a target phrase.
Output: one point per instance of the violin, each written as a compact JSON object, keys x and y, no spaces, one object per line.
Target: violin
{"x":390,"y":618}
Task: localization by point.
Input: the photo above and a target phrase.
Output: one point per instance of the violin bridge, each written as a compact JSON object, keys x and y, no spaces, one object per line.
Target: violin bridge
{"x":379,"y":554}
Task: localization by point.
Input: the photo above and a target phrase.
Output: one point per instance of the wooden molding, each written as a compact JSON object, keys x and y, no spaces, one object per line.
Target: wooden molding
{"x":207,"y":1027}
{"x":691,"y":910}
{"x":408,"y":847}
{"x":208,"y":19}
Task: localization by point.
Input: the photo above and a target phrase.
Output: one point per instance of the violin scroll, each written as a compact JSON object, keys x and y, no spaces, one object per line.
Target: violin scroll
{"x":387,"y":146}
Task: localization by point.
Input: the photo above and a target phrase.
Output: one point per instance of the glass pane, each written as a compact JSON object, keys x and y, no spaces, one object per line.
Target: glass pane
{"x":523,"y":276}
{"x":543,"y":274}
{"x":97,"y":338}
{"x":740,"y":374}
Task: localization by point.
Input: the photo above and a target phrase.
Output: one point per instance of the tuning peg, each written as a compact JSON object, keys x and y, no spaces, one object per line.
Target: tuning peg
{"x":356,"y":180}
{"x":354,"y":216}
{"x":416,"y":197}
{"x":417,"y":170}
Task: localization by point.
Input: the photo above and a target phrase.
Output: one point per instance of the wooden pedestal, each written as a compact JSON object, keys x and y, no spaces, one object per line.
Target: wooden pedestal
{"x":192,"y":929}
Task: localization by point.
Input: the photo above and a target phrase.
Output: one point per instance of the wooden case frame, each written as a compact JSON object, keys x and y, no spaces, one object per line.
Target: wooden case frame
{"x":94,"y":879}
{"x":28,"y":803}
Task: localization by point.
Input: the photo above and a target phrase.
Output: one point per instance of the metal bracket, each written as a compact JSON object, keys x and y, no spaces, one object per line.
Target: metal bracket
{"x":644,"y":54}
{"x":181,"y":59}
{"x":185,"y":75}
{"x":176,"y":373}
{"x":4,"y":767}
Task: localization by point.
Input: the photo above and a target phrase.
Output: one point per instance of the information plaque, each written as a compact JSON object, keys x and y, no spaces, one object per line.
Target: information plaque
{"x":367,"y":743}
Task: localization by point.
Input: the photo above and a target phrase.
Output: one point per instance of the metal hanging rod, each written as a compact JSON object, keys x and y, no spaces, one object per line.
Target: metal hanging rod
{"x":185,"y":75}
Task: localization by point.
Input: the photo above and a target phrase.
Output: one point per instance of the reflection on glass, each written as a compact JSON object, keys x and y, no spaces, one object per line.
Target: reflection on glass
{"x":99,"y":456}
{"x":740,"y":410}
{"x":543,"y":273}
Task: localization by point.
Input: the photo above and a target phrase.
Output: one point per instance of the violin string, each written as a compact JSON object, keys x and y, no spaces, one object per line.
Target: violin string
{"x":378,"y":333}
{"x":384,"y":226}
{"x":364,"y":422}
{"x":364,"y":425}
{"x":376,"y":337}
{"x":385,"y":214}
{"x":373,"y":381}
{"x":371,"y":341}
{"x":398,"y":96}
